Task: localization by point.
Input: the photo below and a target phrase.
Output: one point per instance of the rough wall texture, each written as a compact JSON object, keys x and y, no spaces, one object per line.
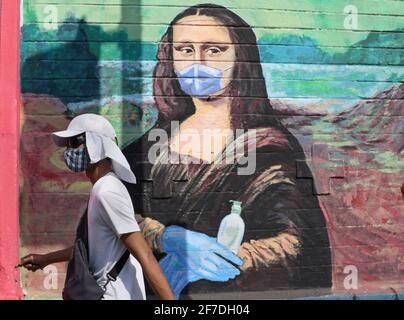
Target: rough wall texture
{"x":323,"y":209}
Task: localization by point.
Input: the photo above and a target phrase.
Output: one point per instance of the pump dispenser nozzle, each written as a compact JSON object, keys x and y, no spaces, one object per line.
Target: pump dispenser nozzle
{"x":236,"y":207}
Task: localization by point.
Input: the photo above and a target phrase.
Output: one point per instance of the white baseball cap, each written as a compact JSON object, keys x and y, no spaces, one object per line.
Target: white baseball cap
{"x":88,"y":122}
{"x":100,"y":142}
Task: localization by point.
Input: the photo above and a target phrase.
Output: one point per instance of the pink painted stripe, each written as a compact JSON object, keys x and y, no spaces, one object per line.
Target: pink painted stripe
{"x":9,"y":148}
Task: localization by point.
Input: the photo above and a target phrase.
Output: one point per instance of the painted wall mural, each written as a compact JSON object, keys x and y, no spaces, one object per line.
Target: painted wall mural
{"x":267,"y":138}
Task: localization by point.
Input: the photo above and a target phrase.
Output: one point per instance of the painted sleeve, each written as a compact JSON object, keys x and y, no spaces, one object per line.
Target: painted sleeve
{"x":263,"y":253}
{"x":152,"y":231}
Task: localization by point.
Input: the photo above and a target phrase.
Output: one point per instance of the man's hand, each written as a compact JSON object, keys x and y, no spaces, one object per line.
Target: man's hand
{"x":33,"y":262}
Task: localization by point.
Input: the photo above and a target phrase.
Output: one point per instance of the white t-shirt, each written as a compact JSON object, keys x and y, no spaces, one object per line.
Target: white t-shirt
{"x":111,"y":214}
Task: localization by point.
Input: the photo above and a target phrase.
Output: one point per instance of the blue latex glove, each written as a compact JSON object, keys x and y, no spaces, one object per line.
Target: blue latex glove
{"x":196,"y":256}
{"x":177,"y":276}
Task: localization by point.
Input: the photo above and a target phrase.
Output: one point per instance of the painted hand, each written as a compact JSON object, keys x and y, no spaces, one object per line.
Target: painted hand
{"x":196,"y":256}
{"x":177,"y":276}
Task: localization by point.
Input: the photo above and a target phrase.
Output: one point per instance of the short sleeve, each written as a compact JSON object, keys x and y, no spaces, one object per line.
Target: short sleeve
{"x":118,"y":212}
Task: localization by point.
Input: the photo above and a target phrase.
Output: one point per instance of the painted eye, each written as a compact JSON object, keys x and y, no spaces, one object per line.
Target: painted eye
{"x":186,"y":51}
{"x":213,"y":51}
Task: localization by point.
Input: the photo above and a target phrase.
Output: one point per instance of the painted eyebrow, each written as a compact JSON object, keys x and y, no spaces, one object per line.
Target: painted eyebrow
{"x":178,"y":46}
{"x":219,"y":45}
{"x":211,"y":42}
{"x":182,"y":41}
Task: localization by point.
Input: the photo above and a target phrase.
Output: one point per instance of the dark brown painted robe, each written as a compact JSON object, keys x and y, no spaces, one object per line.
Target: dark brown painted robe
{"x":285,"y":244}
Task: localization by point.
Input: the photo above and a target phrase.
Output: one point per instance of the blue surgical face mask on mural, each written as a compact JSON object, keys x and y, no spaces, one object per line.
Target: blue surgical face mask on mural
{"x":200,"y":80}
{"x":77,"y":159}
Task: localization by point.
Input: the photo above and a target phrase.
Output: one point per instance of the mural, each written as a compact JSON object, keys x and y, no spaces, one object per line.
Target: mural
{"x":268,"y":150}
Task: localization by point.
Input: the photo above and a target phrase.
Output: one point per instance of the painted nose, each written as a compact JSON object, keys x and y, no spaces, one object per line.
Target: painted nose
{"x":199,"y":56}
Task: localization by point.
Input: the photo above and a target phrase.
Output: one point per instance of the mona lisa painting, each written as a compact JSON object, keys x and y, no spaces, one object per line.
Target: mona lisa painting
{"x":209,"y":82}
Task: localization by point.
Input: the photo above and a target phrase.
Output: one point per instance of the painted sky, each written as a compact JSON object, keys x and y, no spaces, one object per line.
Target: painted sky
{"x":308,"y":56}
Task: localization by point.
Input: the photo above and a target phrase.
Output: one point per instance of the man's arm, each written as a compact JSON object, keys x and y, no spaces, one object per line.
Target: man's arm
{"x":139,"y":248}
{"x":34,"y":262}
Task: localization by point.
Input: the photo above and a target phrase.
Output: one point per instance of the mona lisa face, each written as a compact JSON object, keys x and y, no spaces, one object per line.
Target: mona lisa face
{"x":202,"y":40}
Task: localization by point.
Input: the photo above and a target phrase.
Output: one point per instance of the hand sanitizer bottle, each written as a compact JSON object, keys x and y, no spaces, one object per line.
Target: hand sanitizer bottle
{"x":231,"y":229}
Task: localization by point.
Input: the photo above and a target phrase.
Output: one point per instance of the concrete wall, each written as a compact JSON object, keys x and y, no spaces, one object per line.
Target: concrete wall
{"x":331,"y":75}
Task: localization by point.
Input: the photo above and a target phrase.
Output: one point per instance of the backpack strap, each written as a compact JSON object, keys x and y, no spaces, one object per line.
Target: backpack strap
{"x":82,"y":229}
{"x":113,"y":274}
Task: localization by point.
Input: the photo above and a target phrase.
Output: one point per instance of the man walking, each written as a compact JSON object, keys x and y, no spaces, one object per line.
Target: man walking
{"x":91,"y":146}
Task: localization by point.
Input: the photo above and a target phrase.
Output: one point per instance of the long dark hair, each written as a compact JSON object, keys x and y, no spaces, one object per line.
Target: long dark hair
{"x":250,"y":106}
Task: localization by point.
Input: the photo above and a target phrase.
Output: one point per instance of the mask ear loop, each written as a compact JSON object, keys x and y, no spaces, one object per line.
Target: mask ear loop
{"x":87,"y":155}
{"x":86,"y":148}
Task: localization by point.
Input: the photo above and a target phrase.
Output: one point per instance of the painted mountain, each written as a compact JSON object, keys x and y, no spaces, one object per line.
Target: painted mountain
{"x":364,"y":207}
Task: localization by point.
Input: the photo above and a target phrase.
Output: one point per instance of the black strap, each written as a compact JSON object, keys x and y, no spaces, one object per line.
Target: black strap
{"x":113,"y":274}
{"x":83,"y":232}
